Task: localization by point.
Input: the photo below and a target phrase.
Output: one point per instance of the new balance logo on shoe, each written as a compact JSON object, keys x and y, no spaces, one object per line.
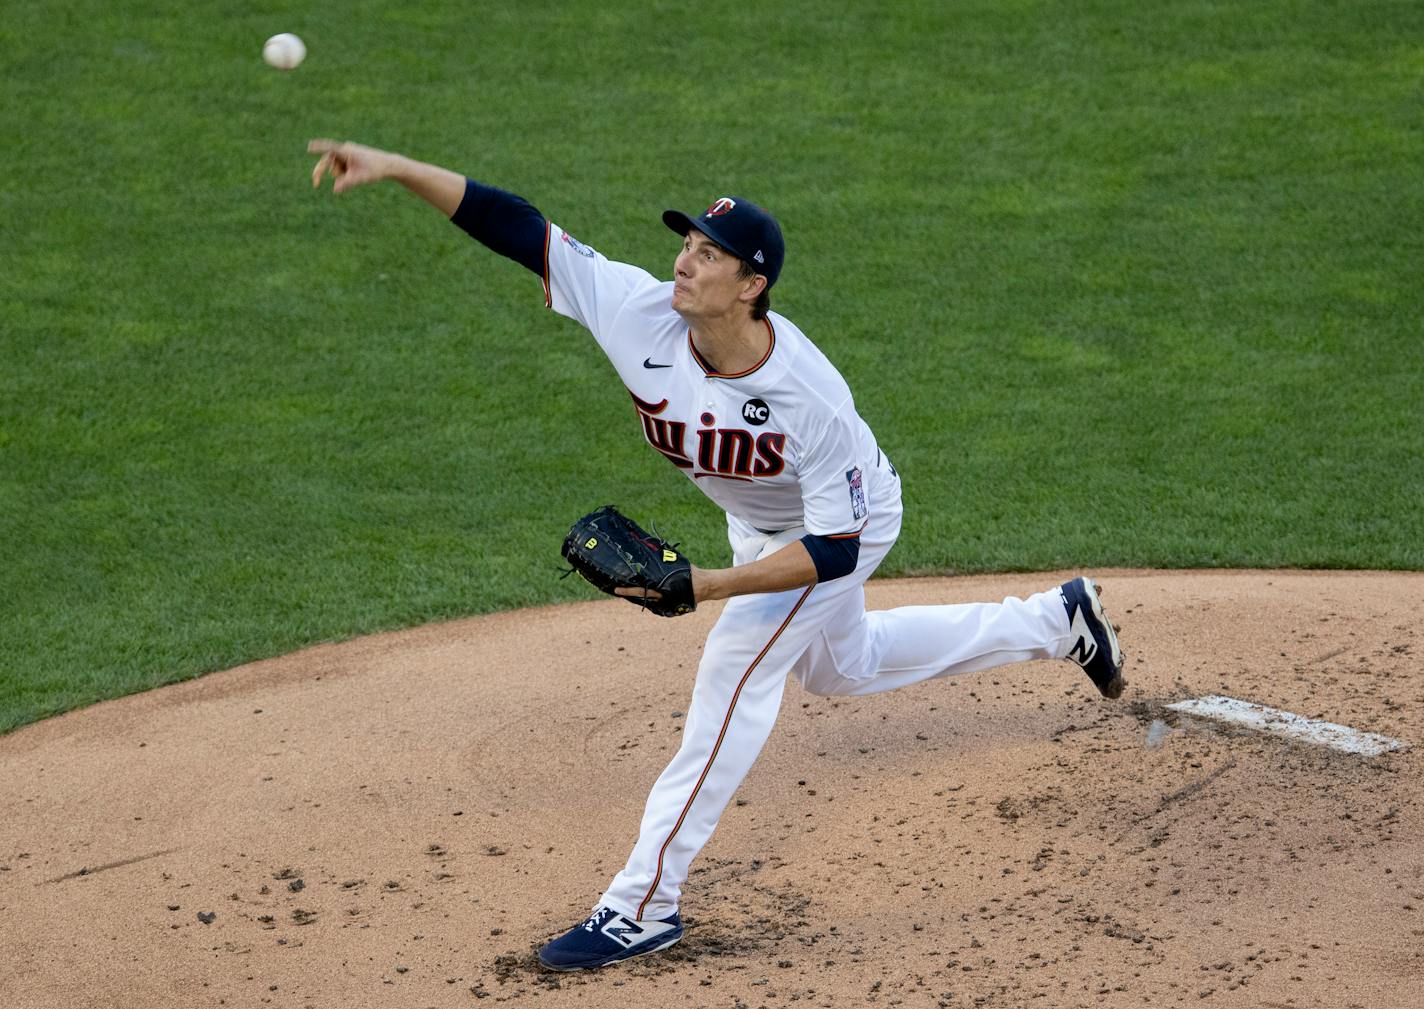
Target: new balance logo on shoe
{"x":1085,"y":647}
{"x":623,"y":930}
{"x":1095,"y":645}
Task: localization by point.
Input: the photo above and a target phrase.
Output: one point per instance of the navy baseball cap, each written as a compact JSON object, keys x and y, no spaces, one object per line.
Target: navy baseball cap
{"x":742,"y":228}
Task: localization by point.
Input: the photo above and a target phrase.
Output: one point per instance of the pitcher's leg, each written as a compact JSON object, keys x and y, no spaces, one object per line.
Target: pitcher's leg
{"x":886,"y":649}
{"x":921,"y":642}
{"x":734,"y":706}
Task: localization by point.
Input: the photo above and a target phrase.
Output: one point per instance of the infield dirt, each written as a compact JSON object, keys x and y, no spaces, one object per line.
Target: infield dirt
{"x":400,"y":821}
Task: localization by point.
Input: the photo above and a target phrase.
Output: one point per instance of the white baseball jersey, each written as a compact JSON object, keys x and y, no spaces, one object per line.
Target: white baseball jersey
{"x":777,"y":446}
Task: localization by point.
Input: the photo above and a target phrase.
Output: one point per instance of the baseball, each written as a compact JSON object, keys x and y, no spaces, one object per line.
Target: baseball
{"x":284,"y":51}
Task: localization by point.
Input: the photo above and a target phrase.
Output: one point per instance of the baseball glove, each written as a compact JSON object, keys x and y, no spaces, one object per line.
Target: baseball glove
{"x":614,"y":552}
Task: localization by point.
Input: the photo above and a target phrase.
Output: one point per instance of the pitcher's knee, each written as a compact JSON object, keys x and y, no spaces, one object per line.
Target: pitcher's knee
{"x":826,"y":684}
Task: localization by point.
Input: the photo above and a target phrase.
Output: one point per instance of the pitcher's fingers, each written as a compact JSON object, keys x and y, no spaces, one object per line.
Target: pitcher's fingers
{"x":322,"y":163}
{"x":321,"y":145}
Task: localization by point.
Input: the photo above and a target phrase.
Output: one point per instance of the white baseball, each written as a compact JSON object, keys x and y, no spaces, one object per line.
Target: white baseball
{"x":284,"y":51}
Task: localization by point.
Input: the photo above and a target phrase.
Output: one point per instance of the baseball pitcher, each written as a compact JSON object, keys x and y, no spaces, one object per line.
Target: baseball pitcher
{"x":739,"y":400}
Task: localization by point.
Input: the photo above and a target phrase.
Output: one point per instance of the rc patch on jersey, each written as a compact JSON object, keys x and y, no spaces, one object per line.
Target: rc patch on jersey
{"x":857,"y":493}
{"x":577,"y":246}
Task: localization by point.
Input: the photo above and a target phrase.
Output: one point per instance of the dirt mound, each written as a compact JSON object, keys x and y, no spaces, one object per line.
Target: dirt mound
{"x":402,"y":820}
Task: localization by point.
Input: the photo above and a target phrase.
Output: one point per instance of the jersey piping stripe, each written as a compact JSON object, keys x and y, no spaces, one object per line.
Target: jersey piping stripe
{"x":714,"y":373}
{"x":548,"y":299}
{"x":716,"y":748}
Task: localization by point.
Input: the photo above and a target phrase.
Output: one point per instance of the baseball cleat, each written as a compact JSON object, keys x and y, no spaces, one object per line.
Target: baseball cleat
{"x":1095,"y":646}
{"x":608,"y":937}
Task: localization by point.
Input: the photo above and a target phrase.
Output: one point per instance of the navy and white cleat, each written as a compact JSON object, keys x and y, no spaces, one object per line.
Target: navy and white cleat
{"x":608,"y":937}
{"x":1095,"y":646}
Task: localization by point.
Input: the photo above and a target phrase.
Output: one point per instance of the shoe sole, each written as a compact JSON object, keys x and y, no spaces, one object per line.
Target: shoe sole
{"x":565,"y":968}
{"x":1115,"y":686}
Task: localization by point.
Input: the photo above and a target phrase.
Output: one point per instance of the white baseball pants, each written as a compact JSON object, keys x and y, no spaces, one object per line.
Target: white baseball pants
{"x":825,"y":638}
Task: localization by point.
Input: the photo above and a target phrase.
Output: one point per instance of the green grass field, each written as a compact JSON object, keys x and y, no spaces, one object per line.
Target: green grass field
{"x":1115,"y":283}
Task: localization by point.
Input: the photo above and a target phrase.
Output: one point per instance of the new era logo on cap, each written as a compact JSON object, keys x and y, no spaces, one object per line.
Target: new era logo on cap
{"x":759,"y":257}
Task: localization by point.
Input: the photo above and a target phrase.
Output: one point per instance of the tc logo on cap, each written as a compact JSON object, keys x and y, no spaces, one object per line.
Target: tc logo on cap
{"x":720,"y":207}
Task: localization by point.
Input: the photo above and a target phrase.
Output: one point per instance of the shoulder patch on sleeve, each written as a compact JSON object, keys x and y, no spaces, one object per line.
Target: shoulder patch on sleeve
{"x":576,"y":245}
{"x":857,"y":493}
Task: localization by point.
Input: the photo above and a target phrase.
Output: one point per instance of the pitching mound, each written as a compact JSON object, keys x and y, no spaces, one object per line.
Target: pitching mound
{"x":400,"y":821}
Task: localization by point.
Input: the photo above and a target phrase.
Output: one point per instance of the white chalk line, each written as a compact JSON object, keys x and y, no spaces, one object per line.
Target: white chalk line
{"x":1288,"y":724}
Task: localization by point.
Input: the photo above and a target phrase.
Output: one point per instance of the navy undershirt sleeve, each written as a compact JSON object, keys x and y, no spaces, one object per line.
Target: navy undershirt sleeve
{"x":506,"y":223}
{"x":834,"y":556}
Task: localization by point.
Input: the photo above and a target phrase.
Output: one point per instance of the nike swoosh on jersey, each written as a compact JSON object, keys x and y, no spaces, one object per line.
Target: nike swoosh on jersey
{"x":648,"y":363}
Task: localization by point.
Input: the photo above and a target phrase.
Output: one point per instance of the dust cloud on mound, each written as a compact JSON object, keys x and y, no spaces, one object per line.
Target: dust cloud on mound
{"x":400,"y":821}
